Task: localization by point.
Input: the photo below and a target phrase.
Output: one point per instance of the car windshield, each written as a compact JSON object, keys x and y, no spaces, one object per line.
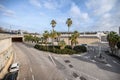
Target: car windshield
{"x":13,"y":67}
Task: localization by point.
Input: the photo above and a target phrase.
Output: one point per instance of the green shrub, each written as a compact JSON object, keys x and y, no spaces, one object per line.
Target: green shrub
{"x":80,"y":49}
{"x":55,"y":50}
{"x":118,"y":45}
{"x":67,"y":51}
{"x":68,"y":47}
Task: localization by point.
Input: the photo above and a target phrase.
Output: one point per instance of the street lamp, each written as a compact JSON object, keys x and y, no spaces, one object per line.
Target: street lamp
{"x":100,"y":46}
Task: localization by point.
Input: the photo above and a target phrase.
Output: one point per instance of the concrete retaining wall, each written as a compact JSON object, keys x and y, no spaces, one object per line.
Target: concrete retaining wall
{"x":6,"y":56}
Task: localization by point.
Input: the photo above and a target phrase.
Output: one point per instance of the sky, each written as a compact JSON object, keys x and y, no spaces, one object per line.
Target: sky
{"x":36,"y":15}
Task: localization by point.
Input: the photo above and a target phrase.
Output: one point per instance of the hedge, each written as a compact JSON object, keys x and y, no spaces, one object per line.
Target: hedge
{"x":80,"y":48}
{"x":55,"y":50}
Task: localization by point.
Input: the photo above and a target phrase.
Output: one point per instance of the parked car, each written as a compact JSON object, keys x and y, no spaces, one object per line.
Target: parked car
{"x":11,"y":76}
{"x":14,"y":67}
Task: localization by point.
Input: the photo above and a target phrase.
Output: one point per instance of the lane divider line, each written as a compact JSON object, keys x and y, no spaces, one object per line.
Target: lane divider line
{"x":116,"y":62}
{"x":30,"y":69}
{"x":33,"y":77}
{"x":52,"y":59}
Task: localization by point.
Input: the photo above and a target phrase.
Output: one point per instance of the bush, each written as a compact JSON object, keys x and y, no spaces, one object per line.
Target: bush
{"x":44,"y":43}
{"x":118,"y":45}
{"x":68,"y":47}
{"x":55,"y":50}
{"x":80,"y":49}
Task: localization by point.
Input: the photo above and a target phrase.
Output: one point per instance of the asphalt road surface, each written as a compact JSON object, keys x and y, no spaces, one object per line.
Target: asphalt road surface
{"x":34,"y":64}
{"x":39,"y":65}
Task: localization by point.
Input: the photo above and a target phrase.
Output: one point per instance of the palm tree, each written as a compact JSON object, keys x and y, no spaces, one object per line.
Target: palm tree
{"x":46,"y":36}
{"x":112,"y":38}
{"x":62,"y":44}
{"x":76,"y":34}
{"x":74,"y":38}
{"x":69,"y":23}
{"x":53,"y":23}
{"x":53,"y":35}
{"x":58,"y":34}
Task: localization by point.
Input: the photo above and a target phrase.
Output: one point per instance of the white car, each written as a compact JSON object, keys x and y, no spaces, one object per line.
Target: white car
{"x":14,"y":67}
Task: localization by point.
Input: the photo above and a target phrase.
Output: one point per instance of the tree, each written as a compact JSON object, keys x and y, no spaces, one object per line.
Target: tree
{"x":36,"y":39}
{"x":53,"y":35}
{"x":118,"y":44}
{"x":58,"y":34}
{"x":28,"y":37}
{"x":53,"y":23}
{"x":74,"y":38}
{"x":76,"y":34}
{"x":62,"y":44}
{"x":46,"y":36}
{"x":112,"y":38}
{"x":69,"y":23}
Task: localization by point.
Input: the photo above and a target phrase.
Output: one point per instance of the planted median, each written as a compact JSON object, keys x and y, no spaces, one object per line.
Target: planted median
{"x":58,"y":50}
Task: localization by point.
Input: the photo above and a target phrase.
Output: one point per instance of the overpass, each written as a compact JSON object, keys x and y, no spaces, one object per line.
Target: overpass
{"x":17,"y":38}
{"x":14,"y":37}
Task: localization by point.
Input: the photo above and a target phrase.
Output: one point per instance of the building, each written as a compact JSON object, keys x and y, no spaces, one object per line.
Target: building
{"x":84,"y":38}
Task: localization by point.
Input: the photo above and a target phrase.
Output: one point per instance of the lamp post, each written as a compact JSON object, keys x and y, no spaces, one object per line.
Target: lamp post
{"x":100,"y":46}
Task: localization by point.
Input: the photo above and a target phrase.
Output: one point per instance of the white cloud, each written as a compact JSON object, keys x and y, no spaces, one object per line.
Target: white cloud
{"x":7,"y":12}
{"x":107,"y":22}
{"x":106,"y":14}
{"x":35,"y":3}
{"x":2,"y":7}
{"x":100,"y":7}
{"x":78,"y":16}
{"x":42,"y":14}
{"x":49,"y":5}
{"x":77,"y":13}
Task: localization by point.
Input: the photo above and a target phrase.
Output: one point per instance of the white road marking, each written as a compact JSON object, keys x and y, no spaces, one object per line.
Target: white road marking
{"x":87,"y":57}
{"x":93,"y":60}
{"x":33,"y":77}
{"x":30,"y":69}
{"x":77,"y":78}
{"x":79,"y":55}
{"x":14,"y":56}
{"x":56,"y":57}
{"x":89,"y":75}
{"x":52,"y":59}
{"x":108,"y":65}
{"x":116,"y":62}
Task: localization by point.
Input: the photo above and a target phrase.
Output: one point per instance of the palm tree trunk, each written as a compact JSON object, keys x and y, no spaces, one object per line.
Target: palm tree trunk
{"x":68,"y":35}
{"x":52,"y":28}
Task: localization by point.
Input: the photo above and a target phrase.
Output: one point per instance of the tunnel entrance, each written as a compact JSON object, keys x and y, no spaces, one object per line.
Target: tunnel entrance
{"x":17,"y":39}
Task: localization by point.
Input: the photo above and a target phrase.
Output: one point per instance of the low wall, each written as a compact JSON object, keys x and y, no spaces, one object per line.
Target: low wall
{"x":6,"y":55}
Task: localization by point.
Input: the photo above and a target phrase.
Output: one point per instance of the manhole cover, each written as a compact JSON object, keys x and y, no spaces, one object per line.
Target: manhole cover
{"x":75,"y":75}
{"x":71,"y":66}
{"x":82,"y":78}
{"x":67,"y":61}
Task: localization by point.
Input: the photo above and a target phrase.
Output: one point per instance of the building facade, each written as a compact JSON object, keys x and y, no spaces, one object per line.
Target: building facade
{"x":84,"y":38}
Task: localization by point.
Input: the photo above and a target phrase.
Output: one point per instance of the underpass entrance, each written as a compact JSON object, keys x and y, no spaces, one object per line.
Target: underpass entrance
{"x":17,"y":39}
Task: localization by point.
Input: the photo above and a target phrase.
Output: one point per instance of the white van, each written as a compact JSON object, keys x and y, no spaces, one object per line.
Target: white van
{"x":14,"y":67}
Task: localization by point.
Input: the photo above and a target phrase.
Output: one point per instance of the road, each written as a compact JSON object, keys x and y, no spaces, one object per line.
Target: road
{"x":38,"y":65}
{"x":86,"y":66}
{"x":34,"y":64}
